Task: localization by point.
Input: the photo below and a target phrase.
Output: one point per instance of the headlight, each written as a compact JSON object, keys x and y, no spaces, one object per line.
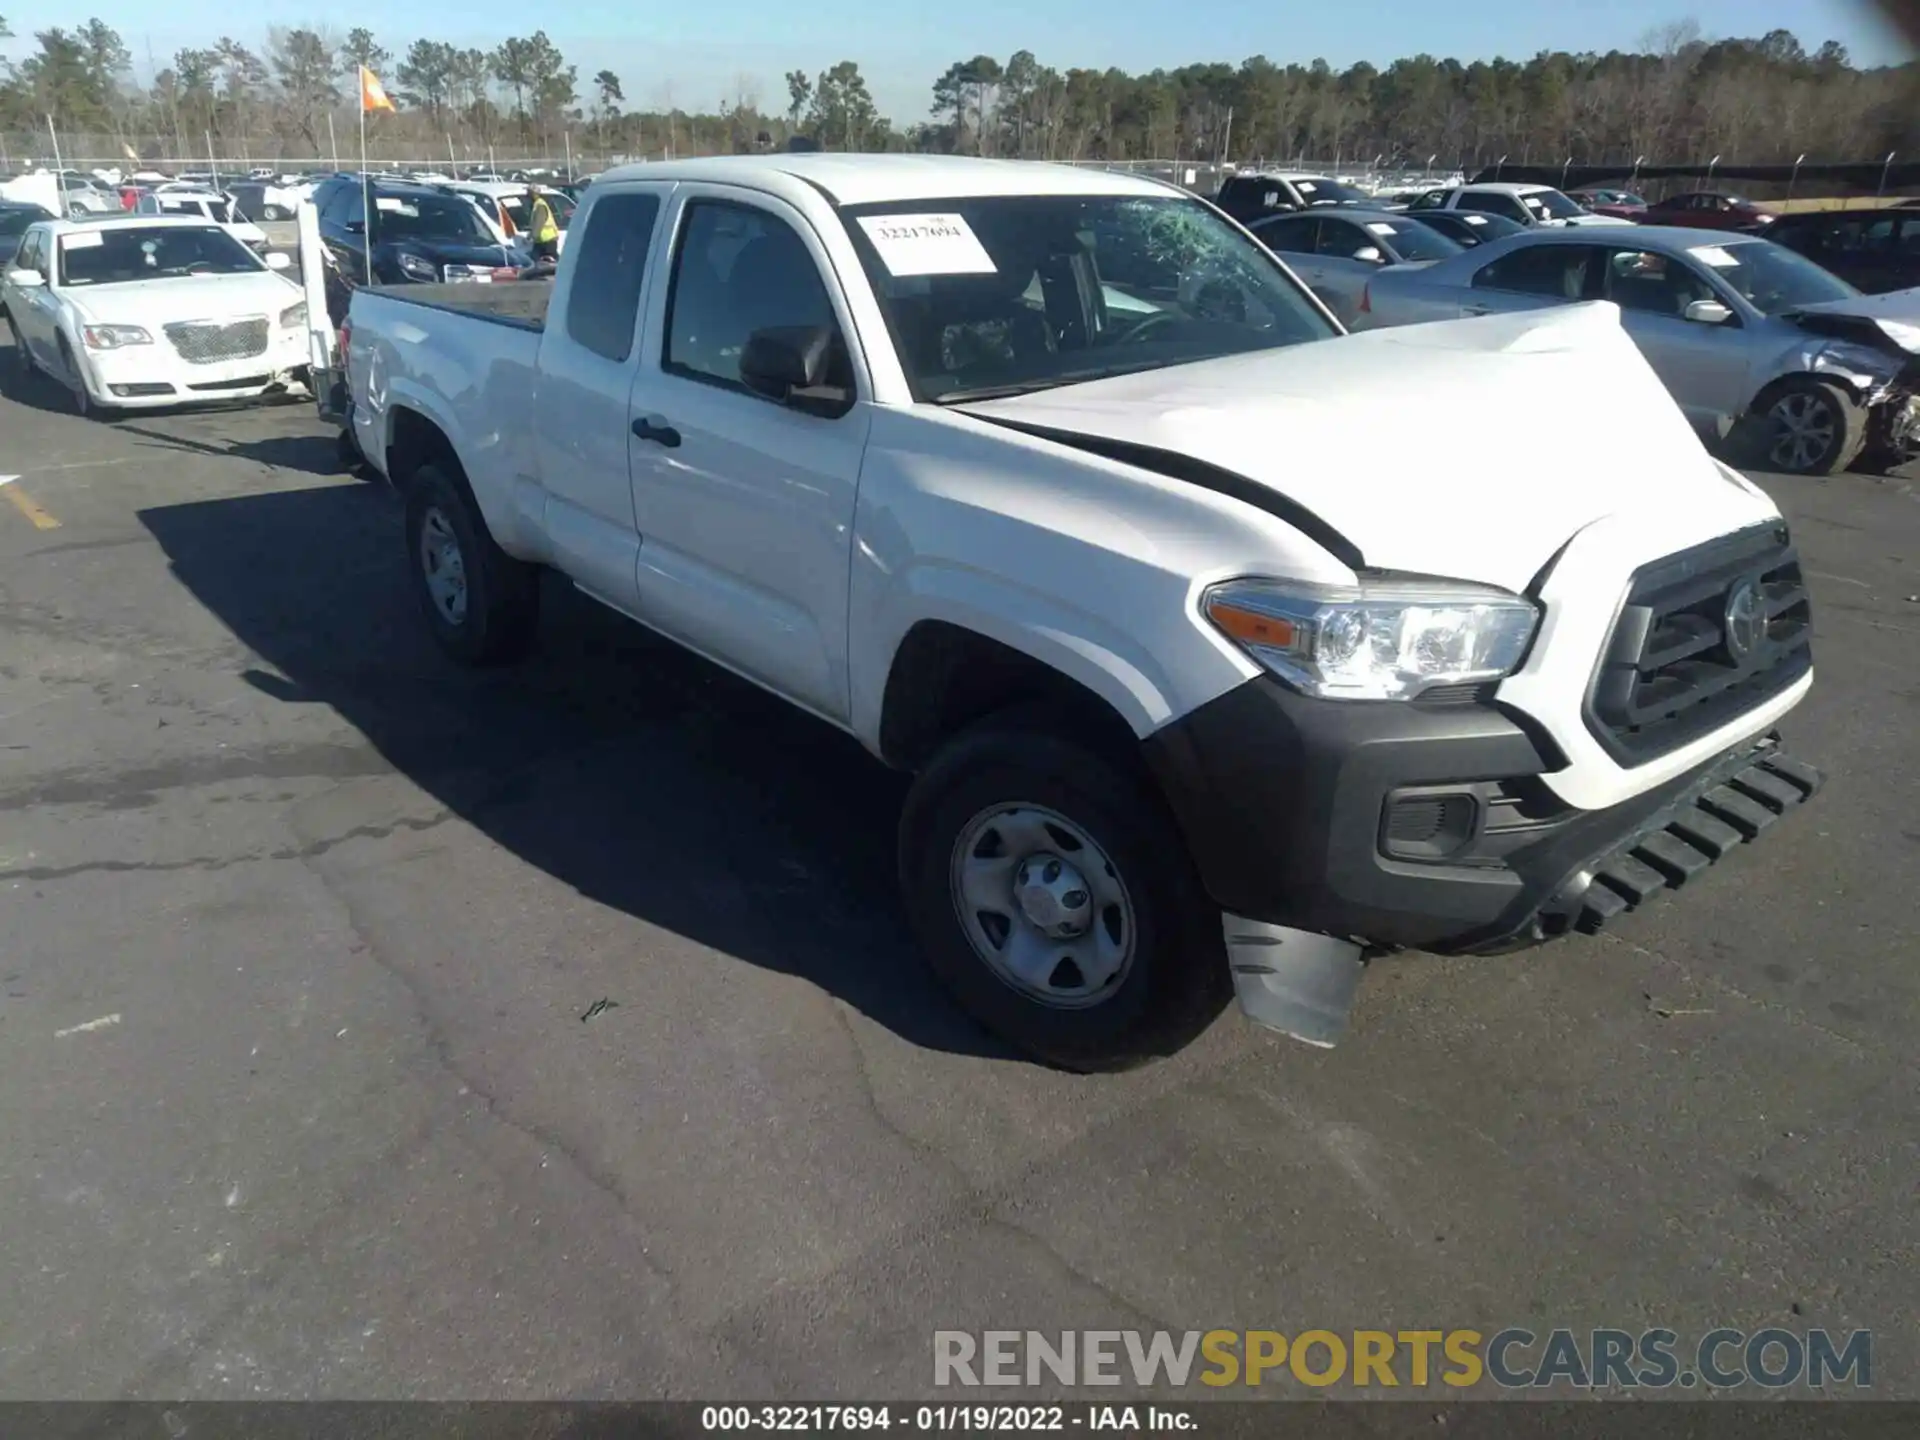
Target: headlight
{"x":294,"y":317}
{"x":112,"y":337}
{"x":1388,"y":641}
{"x":417,"y":267}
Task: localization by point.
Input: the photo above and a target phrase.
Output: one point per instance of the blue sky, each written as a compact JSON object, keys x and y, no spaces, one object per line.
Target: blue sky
{"x":901,"y":48}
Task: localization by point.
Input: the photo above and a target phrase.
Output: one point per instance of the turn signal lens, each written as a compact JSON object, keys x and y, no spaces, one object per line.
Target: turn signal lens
{"x":1249,"y":627}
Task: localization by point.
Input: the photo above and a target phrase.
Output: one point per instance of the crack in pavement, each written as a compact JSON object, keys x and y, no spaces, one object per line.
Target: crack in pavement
{"x":220,"y":862}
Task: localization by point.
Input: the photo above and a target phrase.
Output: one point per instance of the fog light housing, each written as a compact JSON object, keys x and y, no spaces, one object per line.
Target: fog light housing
{"x":1429,"y":824}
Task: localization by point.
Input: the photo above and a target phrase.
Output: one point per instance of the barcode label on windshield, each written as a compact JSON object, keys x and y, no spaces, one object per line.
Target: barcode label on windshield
{"x":927,"y":245}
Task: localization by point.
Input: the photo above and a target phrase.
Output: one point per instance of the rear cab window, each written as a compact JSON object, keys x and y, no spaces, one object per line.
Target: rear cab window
{"x":609,"y":269}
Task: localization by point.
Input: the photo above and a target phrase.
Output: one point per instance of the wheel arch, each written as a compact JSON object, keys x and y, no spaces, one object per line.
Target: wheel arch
{"x":946,"y":677}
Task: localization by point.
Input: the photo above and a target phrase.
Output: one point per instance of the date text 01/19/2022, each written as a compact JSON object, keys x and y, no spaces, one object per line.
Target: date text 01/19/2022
{"x":949,"y":1419}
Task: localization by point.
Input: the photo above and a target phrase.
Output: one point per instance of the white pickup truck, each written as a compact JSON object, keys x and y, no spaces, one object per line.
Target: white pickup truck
{"x":1052,"y":486}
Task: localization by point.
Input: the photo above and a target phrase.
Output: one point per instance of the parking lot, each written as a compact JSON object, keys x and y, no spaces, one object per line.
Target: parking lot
{"x":372,"y":1028}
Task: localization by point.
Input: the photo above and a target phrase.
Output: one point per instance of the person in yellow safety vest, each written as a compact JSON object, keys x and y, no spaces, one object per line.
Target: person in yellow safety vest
{"x":546,"y":231}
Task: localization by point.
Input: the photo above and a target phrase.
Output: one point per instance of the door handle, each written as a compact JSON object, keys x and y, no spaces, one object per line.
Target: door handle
{"x":660,"y":434}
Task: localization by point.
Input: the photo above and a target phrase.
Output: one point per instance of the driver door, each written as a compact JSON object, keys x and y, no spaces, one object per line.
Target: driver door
{"x":1704,"y":366}
{"x":35,"y":310}
{"x":745,"y":506}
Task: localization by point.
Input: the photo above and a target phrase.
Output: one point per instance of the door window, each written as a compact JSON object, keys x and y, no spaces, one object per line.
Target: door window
{"x":1294,"y":235}
{"x":609,"y":264}
{"x":1654,"y":284}
{"x":738,"y":269}
{"x":1343,"y":240}
{"x":1560,"y":272}
{"x":1494,"y":204}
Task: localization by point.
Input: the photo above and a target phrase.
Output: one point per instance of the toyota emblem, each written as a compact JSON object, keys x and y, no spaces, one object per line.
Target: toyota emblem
{"x":1744,"y":621}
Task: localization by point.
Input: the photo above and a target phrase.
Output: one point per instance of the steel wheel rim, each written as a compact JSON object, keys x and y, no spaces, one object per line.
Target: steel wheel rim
{"x":1803,"y":429}
{"x":999,"y":880}
{"x":443,"y":567}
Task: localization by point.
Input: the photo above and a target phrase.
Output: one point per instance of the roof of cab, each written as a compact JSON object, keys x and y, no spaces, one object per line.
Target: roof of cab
{"x":876,"y":179}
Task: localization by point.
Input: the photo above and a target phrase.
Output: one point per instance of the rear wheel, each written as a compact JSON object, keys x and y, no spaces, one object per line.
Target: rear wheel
{"x":482,"y":605}
{"x":274,"y":212}
{"x":1804,"y":426}
{"x":1052,"y":895}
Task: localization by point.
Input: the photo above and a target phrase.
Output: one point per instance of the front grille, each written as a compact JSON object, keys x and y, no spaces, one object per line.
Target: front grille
{"x":206,"y":343}
{"x":1704,"y":636}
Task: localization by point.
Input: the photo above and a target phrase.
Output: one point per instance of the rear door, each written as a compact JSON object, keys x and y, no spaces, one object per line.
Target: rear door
{"x":746,"y":505}
{"x":588,"y":357}
{"x":1535,"y":277}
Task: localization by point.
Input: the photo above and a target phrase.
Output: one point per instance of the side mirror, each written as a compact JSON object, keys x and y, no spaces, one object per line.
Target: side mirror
{"x":279,"y":260}
{"x":1708,"y":312}
{"x":1369,"y":253}
{"x":790,"y":365}
{"x":26,"y":279}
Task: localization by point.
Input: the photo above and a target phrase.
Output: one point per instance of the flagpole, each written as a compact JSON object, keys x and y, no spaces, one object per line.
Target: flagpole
{"x":366,"y":191}
{"x":333,"y":145}
{"x":59,"y":180}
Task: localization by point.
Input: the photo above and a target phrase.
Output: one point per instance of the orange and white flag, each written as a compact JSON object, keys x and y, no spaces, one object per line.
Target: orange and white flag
{"x":372,"y":95}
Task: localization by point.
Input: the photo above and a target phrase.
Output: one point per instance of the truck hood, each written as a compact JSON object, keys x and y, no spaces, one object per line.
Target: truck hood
{"x":1510,"y":478}
{"x":1894,"y":316}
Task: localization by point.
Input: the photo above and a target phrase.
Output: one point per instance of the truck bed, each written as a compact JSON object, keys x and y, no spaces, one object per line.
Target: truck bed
{"x":519,"y":303}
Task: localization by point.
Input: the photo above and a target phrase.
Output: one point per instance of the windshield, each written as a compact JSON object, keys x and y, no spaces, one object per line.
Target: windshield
{"x":114,"y":257}
{"x":1330,"y":192}
{"x":1772,"y":277}
{"x":1410,"y":240}
{"x":1550,"y":205}
{"x":1011,"y":293}
{"x":449,"y":218}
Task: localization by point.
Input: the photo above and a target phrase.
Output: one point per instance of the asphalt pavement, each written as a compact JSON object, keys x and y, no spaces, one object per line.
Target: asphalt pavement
{"x":370,"y":1028}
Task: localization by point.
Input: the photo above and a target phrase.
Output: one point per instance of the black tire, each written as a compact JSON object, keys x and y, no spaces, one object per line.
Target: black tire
{"x":1764,"y":440}
{"x":83,"y":403}
{"x":22,"y":357}
{"x":501,"y":610}
{"x":1177,"y":981}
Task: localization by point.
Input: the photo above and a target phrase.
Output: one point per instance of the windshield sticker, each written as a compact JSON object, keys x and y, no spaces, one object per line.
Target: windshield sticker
{"x":927,"y":245}
{"x":393,"y":205}
{"x":83,"y":240}
{"x":1379,"y":228}
{"x":1474,"y":219}
{"x":1713,"y":255}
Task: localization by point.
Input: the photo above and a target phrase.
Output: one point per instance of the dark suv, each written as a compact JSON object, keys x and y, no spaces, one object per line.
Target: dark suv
{"x":420,"y":234}
{"x":1875,"y":249}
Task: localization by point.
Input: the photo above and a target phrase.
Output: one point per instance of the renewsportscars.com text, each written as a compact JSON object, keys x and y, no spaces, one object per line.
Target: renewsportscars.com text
{"x":1512,"y":1359}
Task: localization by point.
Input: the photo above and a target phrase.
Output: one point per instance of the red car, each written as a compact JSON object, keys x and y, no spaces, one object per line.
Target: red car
{"x":1702,"y":210}
{"x":1621,"y":204}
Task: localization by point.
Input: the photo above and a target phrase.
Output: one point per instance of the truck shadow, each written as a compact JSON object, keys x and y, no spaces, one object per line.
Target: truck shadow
{"x":640,"y":775}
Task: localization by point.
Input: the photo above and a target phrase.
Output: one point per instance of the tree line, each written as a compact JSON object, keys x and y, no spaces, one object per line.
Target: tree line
{"x":1679,"y":96}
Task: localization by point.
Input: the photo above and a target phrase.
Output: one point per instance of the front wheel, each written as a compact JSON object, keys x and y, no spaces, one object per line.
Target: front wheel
{"x":1053,"y":896}
{"x":482,"y":605}
{"x":1804,"y":427}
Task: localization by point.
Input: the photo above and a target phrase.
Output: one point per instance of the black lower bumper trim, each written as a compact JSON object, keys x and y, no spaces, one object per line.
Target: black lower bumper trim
{"x":1727,"y":811}
{"x":1287,"y":804}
